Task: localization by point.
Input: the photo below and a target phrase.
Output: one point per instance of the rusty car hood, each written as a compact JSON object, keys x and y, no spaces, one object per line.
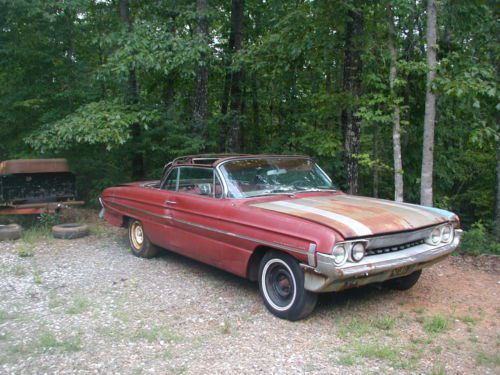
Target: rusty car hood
{"x":354,"y":216}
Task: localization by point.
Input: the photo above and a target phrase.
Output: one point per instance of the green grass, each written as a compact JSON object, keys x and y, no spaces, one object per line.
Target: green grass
{"x":19,"y":270}
{"x":80,"y":305}
{"x":353,"y":327}
{"x":48,"y":341}
{"x":156,"y":333}
{"x":467,"y":319}
{"x":438,"y":369}
{"x":436,"y":324}
{"x":226,"y":327}
{"x":4,"y":316}
{"x":377,"y":351}
{"x":488,"y":359}
{"x":25,"y":249}
{"x":55,"y":301}
{"x":37,"y":278}
{"x":346,"y":360}
{"x":385,"y":323}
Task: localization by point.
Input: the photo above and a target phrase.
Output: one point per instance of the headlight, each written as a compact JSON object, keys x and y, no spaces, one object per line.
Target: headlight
{"x":339,"y":253}
{"x":447,"y":233}
{"x":435,"y":237}
{"x":358,"y":251}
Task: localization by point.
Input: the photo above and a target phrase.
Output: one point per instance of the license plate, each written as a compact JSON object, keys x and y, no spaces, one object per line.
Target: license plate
{"x":400,"y":271}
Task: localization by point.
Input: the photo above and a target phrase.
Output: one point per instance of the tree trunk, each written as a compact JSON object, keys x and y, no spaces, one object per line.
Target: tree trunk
{"x":426,"y":197}
{"x":351,"y":123}
{"x":200,"y":111}
{"x":496,"y":230}
{"x":133,"y":98}
{"x":396,"y":125}
{"x":375,"y":167}
{"x":234,"y":139}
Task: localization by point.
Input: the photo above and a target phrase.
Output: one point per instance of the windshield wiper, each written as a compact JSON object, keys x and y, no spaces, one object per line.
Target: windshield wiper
{"x":316,"y":189}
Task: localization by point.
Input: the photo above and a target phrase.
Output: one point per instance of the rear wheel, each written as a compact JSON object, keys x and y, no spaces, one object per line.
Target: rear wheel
{"x":405,"y":282}
{"x":139,"y":243}
{"x":281,"y":284}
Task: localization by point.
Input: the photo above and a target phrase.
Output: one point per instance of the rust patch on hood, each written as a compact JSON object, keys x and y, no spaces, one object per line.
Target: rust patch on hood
{"x":355,"y":216}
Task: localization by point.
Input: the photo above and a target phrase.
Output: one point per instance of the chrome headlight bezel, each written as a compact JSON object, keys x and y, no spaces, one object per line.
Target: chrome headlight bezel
{"x":441,"y":234}
{"x":355,"y":248}
{"x":340,"y":257}
{"x":447,"y":233}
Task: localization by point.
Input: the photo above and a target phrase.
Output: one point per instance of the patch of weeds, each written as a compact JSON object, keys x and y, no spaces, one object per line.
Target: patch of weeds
{"x":488,"y":359}
{"x":98,"y":230}
{"x":4,"y":316}
{"x":55,"y":301}
{"x":226,"y":327}
{"x":37,"y":278}
{"x":436,"y":324}
{"x":121,"y":315}
{"x":437,"y":349}
{"x":80,"y":304}
{"x":156,"y":334}
{"x":36,"y":234}
{"x":346,"y":360}
{"x":473,"y":339}
{"x":385,"y":323}
{"x":377,"y":351}
{"x":48,"y":341}
{"x":354,"y":327}
{"x":25,"y":249}
{"x":19,"y":270}
{"x":438,"y":369}
{"x":467,"y":319}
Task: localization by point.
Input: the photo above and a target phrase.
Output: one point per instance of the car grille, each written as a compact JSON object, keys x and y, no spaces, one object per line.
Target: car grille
{"x":391,"y":249}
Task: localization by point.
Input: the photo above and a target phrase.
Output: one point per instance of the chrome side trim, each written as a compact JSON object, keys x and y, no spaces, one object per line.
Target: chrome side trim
{"x":310,"y":255}
{"x":215,"y":230}
{"x":260,"y":242}
{"x":141,"y":210}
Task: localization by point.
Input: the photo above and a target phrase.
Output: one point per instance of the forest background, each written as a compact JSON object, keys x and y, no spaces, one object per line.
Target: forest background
{"x":394,"y":99}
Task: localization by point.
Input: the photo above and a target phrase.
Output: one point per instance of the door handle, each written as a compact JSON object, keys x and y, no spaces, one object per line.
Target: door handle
{"x":170,"y":202}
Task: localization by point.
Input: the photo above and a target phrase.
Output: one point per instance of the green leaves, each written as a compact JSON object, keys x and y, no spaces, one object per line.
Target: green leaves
{"x":104,"y":122}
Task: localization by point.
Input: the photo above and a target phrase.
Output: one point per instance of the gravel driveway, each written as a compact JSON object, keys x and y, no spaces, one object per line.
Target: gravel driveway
{"x":89,"y":306}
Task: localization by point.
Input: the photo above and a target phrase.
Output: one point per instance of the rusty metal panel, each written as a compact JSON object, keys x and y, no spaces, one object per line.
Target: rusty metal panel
{"x":33,"y":166}
{"x":357,"y":216}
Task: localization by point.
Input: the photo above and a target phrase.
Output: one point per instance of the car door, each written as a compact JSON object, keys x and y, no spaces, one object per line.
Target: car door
{"x":195,"y":205}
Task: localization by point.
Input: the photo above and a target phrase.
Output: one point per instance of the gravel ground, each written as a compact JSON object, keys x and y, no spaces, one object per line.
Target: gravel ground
{"x":89,"y":306}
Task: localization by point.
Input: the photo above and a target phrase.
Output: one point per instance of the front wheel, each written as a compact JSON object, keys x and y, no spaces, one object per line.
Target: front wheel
{"x":405,"y":282}
{"x":140,"y":244}
{"x":281,"y":284}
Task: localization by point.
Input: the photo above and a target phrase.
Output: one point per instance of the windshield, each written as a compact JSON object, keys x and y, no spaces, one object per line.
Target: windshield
{"x":273,"y":175}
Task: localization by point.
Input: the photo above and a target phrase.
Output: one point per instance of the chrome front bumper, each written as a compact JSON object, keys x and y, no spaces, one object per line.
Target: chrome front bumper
{"x":327,"y":276}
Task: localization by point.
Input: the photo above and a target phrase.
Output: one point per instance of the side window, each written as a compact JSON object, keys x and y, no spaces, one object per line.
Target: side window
{"x":171,"y":181}
{"x":198,"y":181}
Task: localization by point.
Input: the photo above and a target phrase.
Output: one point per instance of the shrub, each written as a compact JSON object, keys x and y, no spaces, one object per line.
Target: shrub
{"x":477,"y":241}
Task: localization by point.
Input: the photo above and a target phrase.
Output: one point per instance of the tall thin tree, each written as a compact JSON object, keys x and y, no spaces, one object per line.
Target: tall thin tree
{"x":133,"y":98}
{"x":351,"y":122}
{"x":200,"y":110}
{"x":396,"y":123}
{"x":426,"y":195}
{"x":236,"y":106}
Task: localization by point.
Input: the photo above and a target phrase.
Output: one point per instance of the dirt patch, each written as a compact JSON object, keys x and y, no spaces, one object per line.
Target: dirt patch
{"x":89,"y":306}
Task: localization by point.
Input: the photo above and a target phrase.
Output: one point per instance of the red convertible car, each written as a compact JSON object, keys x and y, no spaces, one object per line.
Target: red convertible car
{"x":280,"y":221}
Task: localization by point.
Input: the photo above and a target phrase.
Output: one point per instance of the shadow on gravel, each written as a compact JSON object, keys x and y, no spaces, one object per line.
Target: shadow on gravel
{"x":206,"y":271}
{"x":351,"y":298}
